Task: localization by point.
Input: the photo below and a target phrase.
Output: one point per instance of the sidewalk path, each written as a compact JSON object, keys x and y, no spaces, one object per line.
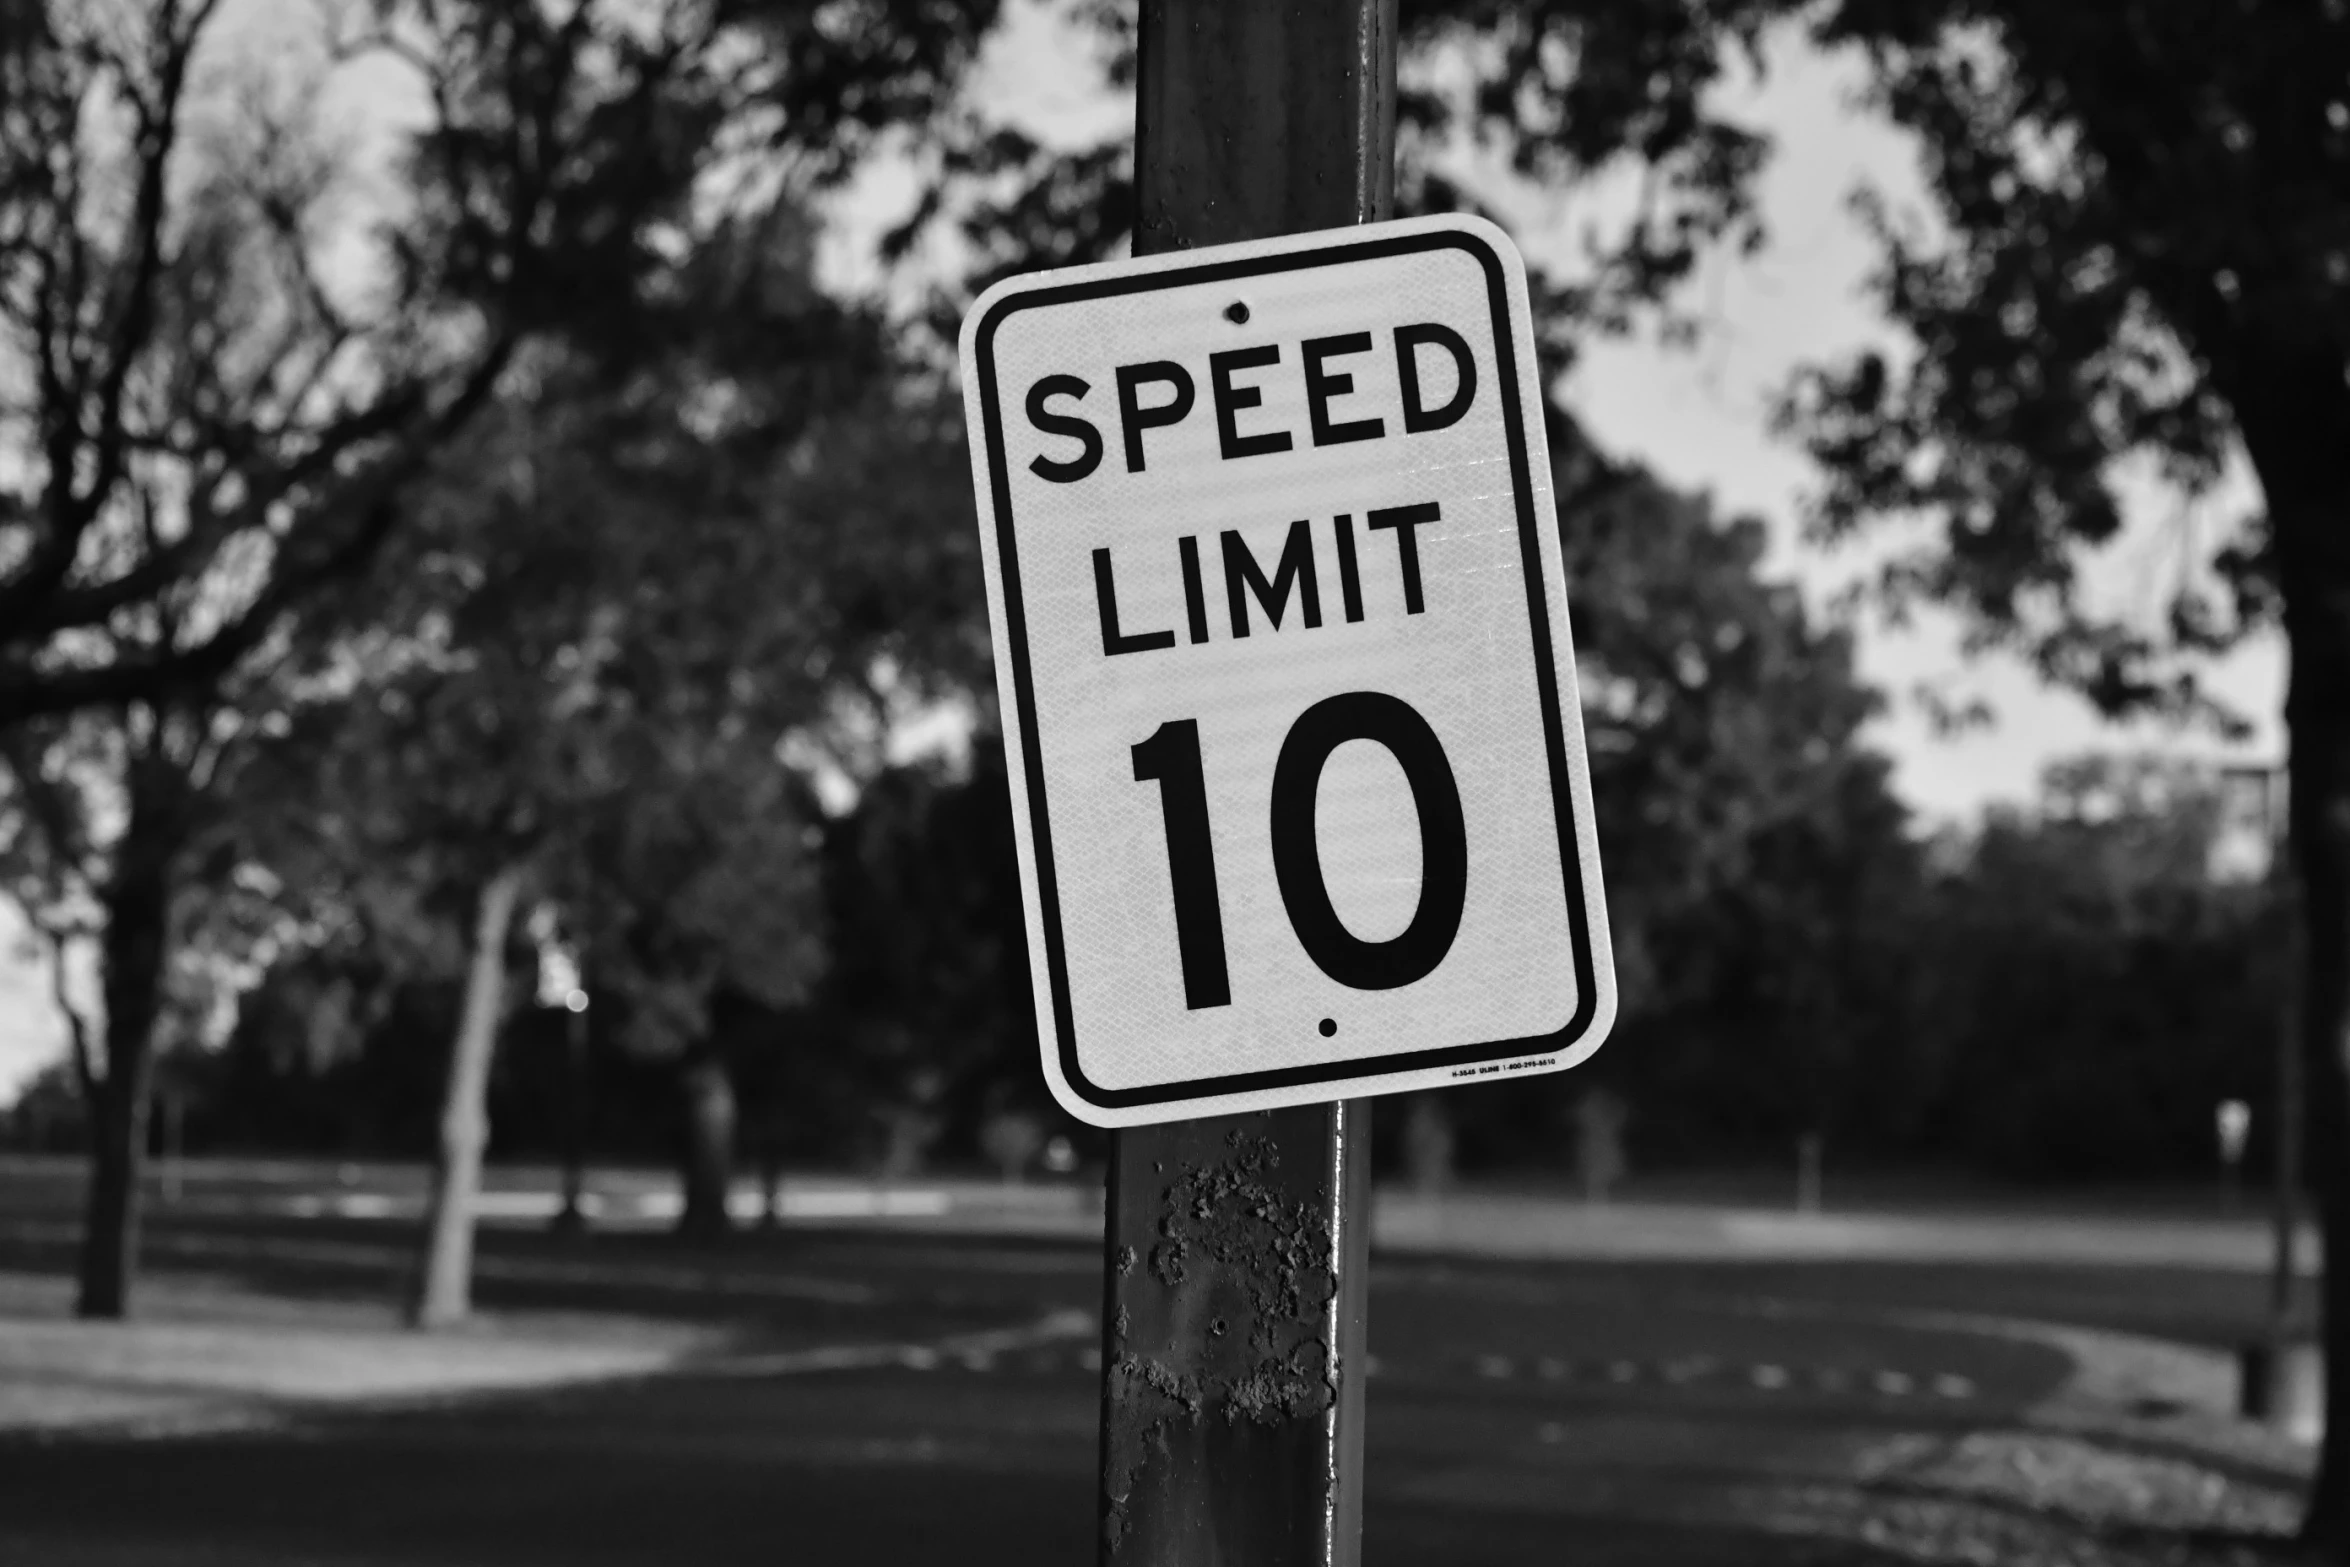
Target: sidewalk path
{"x":205,"y":1356}
{"x":1533,"y":1227}
{"x":1536,"y":1227}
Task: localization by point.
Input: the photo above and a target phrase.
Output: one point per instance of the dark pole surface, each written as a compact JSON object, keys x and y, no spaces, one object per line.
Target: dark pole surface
{"x":1238,"y":1246}
{"x":1256,"y":119}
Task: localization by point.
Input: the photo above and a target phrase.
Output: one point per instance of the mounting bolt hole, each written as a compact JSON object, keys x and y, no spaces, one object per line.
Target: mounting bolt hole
{"x":1237,"y":313}
{"x":1328,"y":1026}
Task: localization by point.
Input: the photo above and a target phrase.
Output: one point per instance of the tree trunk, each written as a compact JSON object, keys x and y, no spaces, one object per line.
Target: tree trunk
{"x":445,"y":1287}
{"x":2321,"y":856}
{"x":2309,"y":507}
{"x":571,"y":1214}
{"x":133,"y":949}
{"x":1428,"y":1145}
{"x":709,"y":1145}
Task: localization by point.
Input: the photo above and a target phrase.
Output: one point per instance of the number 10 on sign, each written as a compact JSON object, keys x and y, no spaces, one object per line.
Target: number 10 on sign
{"x":1171,"y":756}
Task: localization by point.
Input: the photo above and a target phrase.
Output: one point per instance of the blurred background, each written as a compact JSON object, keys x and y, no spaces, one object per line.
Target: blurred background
{"x":511,"y":974}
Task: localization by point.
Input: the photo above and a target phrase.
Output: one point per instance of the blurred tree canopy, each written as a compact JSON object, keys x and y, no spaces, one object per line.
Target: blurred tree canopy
{"x":2088,"y":991}
{"x":929,"y":994}
{"x":735,"y":475}
{"x":620,"y":598}
{"x":2065,"y":993}
{"x":212,"y":419}
{"x":1757,"y":861}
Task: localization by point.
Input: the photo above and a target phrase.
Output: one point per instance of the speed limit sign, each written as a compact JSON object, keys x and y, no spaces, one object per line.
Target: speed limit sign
{"x":1297,"y":767}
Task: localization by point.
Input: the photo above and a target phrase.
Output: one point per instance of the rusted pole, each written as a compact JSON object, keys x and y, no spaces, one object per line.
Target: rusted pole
{"x":1238,"y":1247}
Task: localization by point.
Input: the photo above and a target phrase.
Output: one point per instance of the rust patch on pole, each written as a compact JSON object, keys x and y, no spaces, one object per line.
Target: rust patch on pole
{"x":1232,"y":1382}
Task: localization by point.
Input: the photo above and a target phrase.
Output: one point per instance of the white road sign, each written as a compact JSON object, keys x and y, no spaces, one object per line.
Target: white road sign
{"x":1281,"y":640}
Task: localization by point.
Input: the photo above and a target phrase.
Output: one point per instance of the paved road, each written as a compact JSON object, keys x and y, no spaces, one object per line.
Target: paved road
{"x":1678,"y":1415}
{"x":906,"y":1467}
{"x":1514,"y":1415}
{"x":895,"y":1396}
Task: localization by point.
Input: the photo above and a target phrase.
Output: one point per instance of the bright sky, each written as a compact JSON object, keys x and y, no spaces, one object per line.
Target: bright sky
{"x":1697,"y":416}
{"x":30,"y":1034}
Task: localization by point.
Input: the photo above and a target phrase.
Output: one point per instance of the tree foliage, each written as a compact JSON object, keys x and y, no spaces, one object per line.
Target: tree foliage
{"x":213,"y":420}
{"x":1752,"y":846}
{"x":2131,"y":233}
{"x":2136,"y":261}
{"x":928,"y":1013}
{"x":1575,"y":94}
{"x":622,"y":597}
{"x":181,"y":322}
{"x":2087,"y":991}
{"x":202,"y":411}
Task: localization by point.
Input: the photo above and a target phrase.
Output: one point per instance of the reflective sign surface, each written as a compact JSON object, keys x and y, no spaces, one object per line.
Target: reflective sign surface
{"x":1281,"y":640}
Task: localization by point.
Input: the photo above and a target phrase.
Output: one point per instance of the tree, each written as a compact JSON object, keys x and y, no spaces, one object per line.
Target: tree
{"x":556,"y":141}
{"x":696,"y":880}
{"x":624,"y":594}
{"x":2087,"y":986}
{"x":928,"y":1006}
{"x":203,"y":431}
{"x":109,"y":810}
{"x":171,"y":323}
{"x":2138,"y":260}
{"x":111,"y":823}
{"x":533,"y":723}
{"x":207,"y":430}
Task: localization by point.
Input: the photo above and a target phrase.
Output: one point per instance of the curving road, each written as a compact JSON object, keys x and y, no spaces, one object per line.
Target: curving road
{"x":869,"y":1398}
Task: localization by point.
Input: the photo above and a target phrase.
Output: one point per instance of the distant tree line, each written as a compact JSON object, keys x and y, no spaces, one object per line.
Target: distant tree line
{"x":2065,"y":992}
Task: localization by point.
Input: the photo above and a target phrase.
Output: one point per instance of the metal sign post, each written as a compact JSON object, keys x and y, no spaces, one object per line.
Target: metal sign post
{"x":1298,"y":781}
{"x":1233,"y":1340}
{"x":1237,"y":1246}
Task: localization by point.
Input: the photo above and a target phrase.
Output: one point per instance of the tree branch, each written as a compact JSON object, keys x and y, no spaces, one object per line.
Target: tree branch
{"x":157,"y":139}
{"x":66,"y":394}
{"x":373,"y":496}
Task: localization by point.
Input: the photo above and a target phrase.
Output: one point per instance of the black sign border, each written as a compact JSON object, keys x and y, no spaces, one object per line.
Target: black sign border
{"x":1545,"y":661}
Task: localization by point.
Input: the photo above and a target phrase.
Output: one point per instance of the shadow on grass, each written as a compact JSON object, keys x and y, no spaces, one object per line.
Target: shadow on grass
{"x":758,"y":1284}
